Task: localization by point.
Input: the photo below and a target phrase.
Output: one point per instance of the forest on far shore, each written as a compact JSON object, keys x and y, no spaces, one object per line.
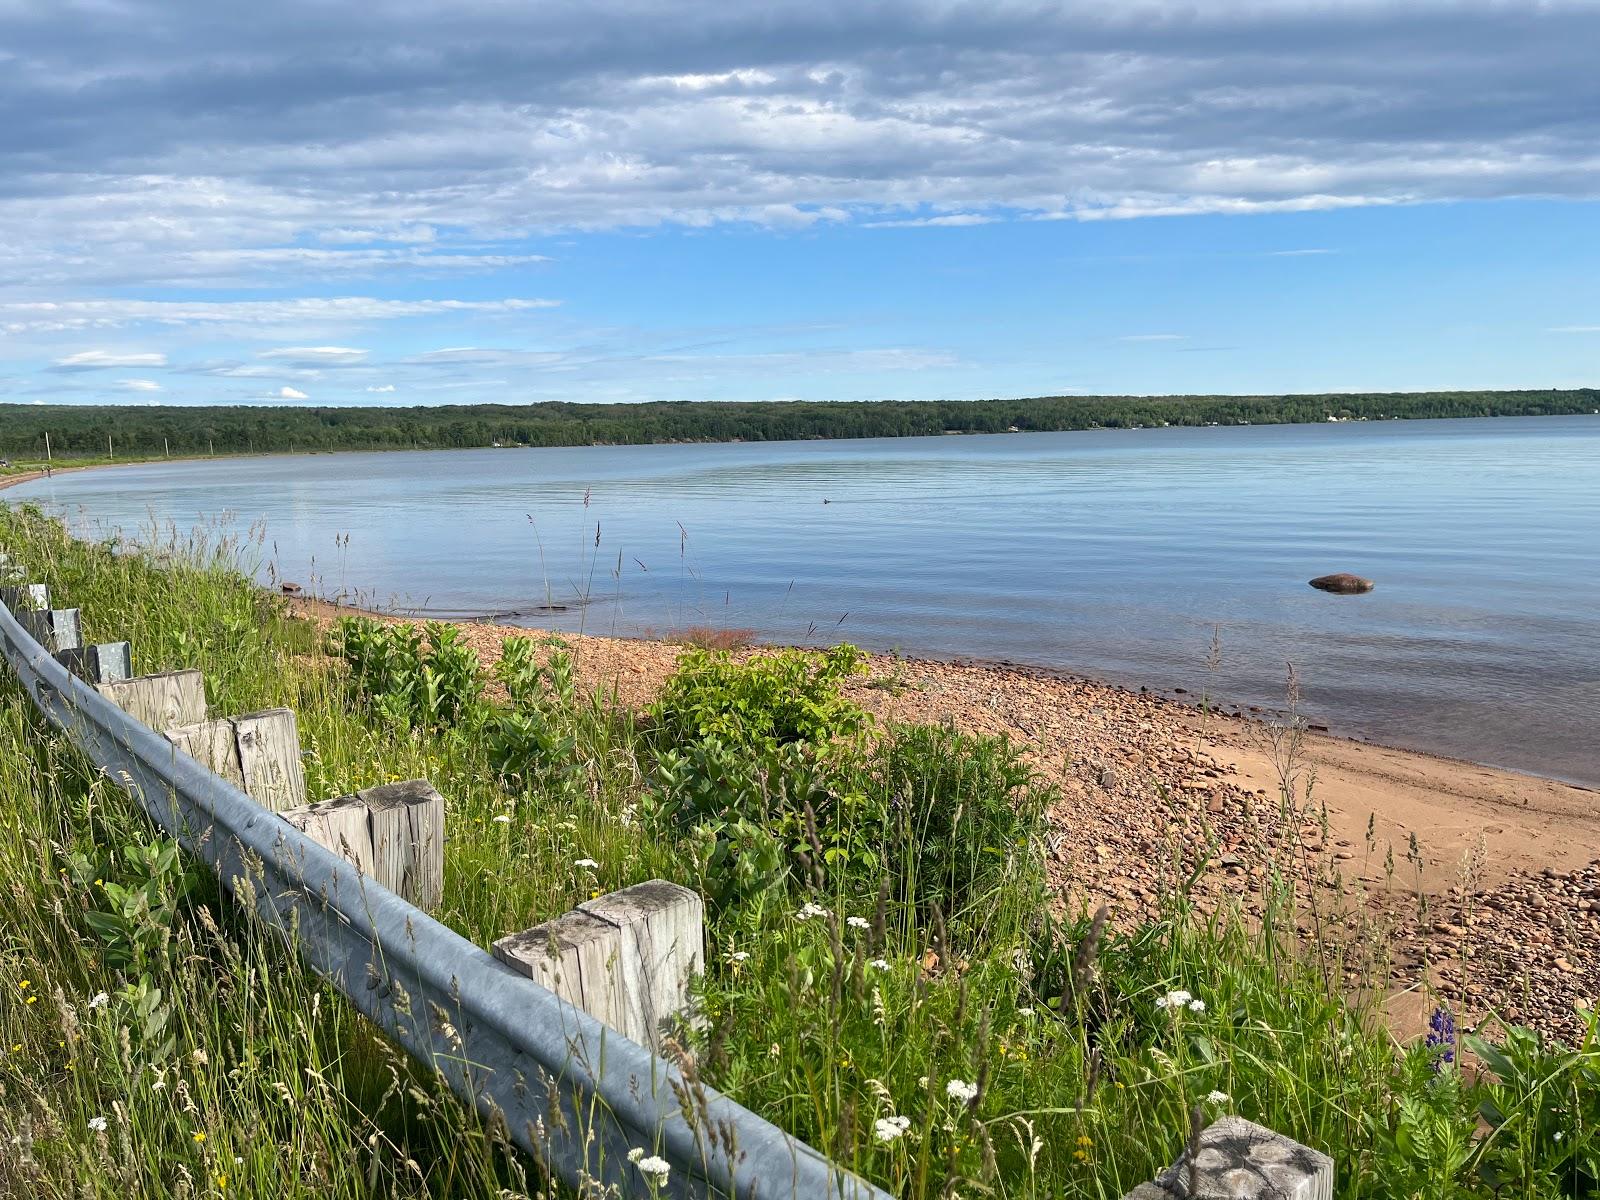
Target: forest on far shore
{"x":82,"y":431}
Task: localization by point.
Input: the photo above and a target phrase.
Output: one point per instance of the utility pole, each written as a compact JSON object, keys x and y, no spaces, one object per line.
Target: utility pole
{"x":47,"y":445}
{"x":165,"y":448}
{"x":110,"y":453}
{"x":211,"y":447}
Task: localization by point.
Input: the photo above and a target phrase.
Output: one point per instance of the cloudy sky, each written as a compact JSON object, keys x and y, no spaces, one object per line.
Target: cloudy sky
{"x":408,"y":201}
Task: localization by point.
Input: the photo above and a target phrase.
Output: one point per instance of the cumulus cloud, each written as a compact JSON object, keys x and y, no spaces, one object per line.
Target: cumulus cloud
{"x":288,"y":393}
{"x":386,"y":387}
{"x":98,"y":360}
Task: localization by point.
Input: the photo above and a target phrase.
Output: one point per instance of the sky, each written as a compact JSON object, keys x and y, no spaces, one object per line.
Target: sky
{"x":410,"y":202}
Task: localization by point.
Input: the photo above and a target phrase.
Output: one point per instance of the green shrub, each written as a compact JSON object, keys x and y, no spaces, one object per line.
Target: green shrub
{"x":427,"y":679}
{"x":762,"y":703}
{"x":525,"y":741}
{"x":960,"y":814}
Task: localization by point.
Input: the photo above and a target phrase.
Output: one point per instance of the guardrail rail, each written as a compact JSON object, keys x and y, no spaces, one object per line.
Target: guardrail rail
{"x":573,"y":1093}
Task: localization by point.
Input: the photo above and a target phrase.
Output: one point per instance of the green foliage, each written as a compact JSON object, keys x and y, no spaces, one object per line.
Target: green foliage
{"x":526,"y":742}
{"x":410,"y":678}
{"x":1542,"y":1105}
{"x":141,"y":897}
{"x":788,"y":698}
{"x":962,"y":815}
{"x":79,"y":431}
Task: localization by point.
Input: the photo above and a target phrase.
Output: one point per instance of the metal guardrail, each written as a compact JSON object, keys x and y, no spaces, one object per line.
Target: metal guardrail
{"x":574,"y":1094}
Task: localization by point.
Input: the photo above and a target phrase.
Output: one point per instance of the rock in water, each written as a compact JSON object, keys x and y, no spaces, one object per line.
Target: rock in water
{"x":1342,"y":584}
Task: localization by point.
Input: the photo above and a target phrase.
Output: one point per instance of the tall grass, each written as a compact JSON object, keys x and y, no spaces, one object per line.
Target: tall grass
{"x":887,"y":977}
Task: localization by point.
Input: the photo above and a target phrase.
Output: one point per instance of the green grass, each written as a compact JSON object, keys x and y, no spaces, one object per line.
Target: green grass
{"x":954,"y":971}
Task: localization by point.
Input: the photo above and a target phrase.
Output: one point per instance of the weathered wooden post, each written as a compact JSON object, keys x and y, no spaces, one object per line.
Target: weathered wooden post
{"x":162,"y":701}
{"x":393,"y":833}
{"x":626,"y":958}
{"x":407,"y":824}
{"x":1235,"y":1159}
{"x":259,"y":753}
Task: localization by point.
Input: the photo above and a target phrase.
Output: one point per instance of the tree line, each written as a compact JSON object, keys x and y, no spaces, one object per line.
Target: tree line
{"x":82,"y":431}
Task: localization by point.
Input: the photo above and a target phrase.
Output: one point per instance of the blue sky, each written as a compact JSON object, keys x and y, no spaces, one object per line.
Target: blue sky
{"x":414,"y":203}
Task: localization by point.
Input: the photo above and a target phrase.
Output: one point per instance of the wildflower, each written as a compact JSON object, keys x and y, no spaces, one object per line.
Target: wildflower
{"x":1174,"y":999}
{"x":100,"y":1000}
{"x":1214,"y":1097}
{"x":1198,"y":1006}
{"x":222,"y":1182}
{"x":739,"y":956}
{"x":502,"y":819}
{"x":890,"y":1129}
{"x":1081,"y":1155}
{"x":961,"y":1090}
{"x":98,"y":1124}
{"x":858,"y":923}
{"x":24,"y":985}
{"x":199,"y":1137}
{"x":635,"y":1154}
{"x":1442,"y":1038}
{"x":879,"y":964}
{"x":654,"y":1169}
{"x":587,"y":862}
{"x":810,"y":910}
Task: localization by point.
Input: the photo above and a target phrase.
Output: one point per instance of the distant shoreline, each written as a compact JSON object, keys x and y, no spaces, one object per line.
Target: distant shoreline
{"x":171,"y":432}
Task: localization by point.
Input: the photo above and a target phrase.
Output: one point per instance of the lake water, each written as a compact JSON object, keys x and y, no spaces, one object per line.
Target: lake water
{"x":1108,"y":553}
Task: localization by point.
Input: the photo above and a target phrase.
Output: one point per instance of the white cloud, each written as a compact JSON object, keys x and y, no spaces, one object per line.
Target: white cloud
{"x":387,"y":387}
{"x":139,"y":385}
{"x":289,"y":393}
{"x":950,"y":220}
{"x":328,"y":355}
{"x":96,"y":360}
{"x":57,"y":316}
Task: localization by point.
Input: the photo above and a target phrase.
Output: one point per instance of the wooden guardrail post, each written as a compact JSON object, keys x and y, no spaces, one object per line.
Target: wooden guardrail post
{"x":162,"y":701}
{"x":259,"y":753}
{"x":1235,"y":1159}
{"x":626,"y":958}
{"x":393,"y":833}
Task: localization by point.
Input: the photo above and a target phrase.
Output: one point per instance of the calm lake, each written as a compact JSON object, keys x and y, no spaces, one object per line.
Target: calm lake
{"x":1108,"y":553}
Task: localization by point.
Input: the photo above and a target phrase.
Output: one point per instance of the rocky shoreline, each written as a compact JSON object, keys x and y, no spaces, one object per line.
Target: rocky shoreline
{"x":1392,"y":844}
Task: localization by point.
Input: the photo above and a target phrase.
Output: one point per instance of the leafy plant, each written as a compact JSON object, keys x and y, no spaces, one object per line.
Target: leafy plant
{"x":136,"y":923}
{"x":410,"y":678}
{"x":762,"y":703}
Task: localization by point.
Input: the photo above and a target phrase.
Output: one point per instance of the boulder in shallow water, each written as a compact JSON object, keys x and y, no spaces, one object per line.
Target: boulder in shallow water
{"x":1342,"y":584}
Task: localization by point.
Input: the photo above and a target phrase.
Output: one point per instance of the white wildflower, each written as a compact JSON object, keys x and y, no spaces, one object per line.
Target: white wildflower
{"x":98,"y":1124}
{"x":1024,"y":1012}
{"x":961,"y":1090}
{"x":502,"y":819}
{"x":100,"y":1000}
{"x":1217,"y":1097}
{"x":655,"y":1169}
{"x":889,"y":1129}
{"x":879,"y":964}
{"x":635,"y":1154}
{"x":1175,"y":999}
{"x":587,"y":862}
{"x":858,"y":923}
{"x":1197,"y":1006}
{"x":809,"y":910}
{"x":739,"y":956}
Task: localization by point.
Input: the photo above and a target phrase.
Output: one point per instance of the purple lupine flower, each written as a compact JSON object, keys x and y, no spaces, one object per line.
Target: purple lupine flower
{"x":1442,"y":1037}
